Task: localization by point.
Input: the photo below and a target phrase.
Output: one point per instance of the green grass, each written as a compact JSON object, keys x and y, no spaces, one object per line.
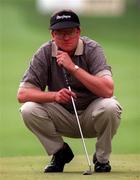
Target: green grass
{"x":23,"y":30}
{"x":124,"y":167}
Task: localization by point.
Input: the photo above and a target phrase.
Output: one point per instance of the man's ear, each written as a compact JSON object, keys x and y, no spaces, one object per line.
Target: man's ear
{"x":52,"y":34}
{"x":79,"y":30}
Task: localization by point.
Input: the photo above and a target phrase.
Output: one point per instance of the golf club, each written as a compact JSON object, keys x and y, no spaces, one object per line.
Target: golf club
{"x":87,"y":172}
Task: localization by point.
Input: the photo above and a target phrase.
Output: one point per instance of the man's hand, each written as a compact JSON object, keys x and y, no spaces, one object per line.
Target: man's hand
{"x":63,"y":59}
{"x":64,"y":96}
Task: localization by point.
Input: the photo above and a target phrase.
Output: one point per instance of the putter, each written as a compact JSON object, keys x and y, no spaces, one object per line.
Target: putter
{"x":87,"y":172}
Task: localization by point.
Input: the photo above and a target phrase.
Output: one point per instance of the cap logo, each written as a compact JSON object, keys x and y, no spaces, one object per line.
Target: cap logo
{"x":63,"y":17}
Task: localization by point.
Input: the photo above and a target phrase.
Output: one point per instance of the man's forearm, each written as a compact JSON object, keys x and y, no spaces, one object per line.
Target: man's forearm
{"x":35,"y":95}
{"x":101,"y":86}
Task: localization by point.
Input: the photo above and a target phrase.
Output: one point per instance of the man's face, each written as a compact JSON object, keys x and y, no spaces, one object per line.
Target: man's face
{"x":66,"y":39}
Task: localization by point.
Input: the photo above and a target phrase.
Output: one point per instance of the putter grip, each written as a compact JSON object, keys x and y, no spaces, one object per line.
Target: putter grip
{"x":65,"y":76}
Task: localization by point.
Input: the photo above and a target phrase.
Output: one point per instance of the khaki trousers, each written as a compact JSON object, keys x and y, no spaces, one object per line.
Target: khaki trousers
{"x":50,"y":121}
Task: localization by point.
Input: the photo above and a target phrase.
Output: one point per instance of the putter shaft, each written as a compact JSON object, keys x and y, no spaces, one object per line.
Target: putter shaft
{"x":77,"y":118}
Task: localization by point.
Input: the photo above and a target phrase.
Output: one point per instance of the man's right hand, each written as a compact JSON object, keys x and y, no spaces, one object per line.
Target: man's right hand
{"x":64,"y":96}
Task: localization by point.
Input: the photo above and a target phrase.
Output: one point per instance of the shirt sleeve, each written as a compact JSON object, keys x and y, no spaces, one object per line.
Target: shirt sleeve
{"x":97,"y":60}
{"x":27,"y":85}
{"x":104,"y":73}
{"x":37,"y":72}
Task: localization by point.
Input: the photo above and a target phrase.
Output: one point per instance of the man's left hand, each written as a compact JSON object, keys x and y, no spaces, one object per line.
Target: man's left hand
{"x":63,"y":59}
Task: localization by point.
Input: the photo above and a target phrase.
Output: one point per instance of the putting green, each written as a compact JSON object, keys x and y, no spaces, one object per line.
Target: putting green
{"x":124,"y":167}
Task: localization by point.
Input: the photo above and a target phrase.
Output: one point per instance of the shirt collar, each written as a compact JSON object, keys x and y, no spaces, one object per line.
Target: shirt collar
{"x":78,"y":52}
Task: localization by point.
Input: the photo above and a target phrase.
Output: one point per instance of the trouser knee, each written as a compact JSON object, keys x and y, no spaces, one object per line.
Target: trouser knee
{"x":30,"y":111}
{"x":27,"y":110}
{"x":112,"y":113}
{"x":107,"y":114}
{"x":36,"y":117}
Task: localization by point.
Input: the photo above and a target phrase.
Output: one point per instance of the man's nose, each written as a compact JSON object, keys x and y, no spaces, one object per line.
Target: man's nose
{"x":66,"y":37}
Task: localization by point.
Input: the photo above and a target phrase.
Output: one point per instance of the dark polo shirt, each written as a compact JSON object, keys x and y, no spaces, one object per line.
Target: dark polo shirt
{"x":44,"y":72}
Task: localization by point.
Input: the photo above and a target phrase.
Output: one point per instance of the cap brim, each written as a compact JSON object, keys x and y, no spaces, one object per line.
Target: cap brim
{"x":63,"y":25}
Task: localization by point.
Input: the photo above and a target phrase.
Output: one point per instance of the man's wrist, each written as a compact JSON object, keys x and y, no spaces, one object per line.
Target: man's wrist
{"x":75,"y":69}
{"x":54,"y":97}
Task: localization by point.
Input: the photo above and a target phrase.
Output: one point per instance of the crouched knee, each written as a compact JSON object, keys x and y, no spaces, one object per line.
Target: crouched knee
{"x":112,"y":107}
{"x":27,"y":110}
{"x":113,"y":112}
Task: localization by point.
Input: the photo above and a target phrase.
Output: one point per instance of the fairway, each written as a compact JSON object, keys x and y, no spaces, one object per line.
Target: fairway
{"x":124,"y":167}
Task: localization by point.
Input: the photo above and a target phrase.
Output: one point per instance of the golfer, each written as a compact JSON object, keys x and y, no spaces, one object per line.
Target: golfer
{"x":48,"y":111}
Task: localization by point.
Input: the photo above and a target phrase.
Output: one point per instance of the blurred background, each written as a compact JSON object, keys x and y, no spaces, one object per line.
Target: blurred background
{"x":115,"y":24}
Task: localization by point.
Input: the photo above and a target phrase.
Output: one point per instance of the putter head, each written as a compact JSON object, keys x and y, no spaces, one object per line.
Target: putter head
{"x":88,"y":172}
